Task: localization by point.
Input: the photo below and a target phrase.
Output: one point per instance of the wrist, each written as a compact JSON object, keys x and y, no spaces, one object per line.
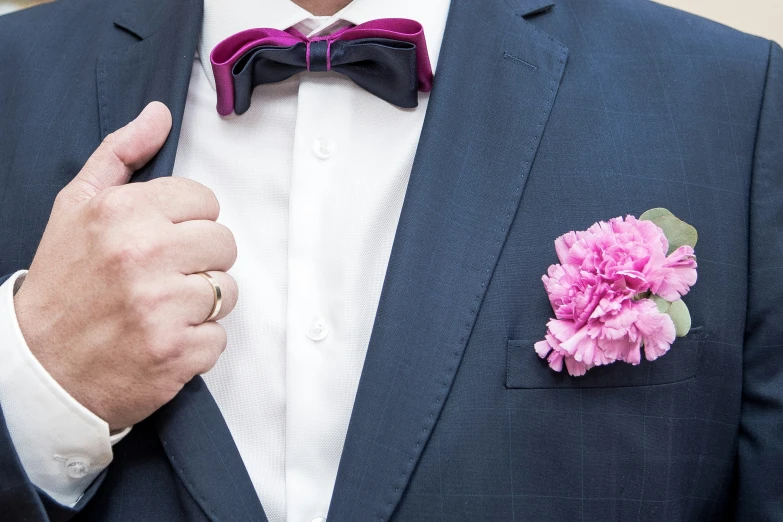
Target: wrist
{"x":22,"y":310}
{"x":39,"y":331}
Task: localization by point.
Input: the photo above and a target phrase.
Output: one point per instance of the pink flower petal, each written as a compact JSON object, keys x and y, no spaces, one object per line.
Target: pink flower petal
{"x":563,"y":244}
{"x":575,"y":368}
{"x":677,"y":274}
{"x":556,"y":361}
{"x":572,"y":345}
{"x":542,"y":348}
{"x":657,"y":329}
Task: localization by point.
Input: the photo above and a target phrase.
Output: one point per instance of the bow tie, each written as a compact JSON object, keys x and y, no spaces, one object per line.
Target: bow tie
{"x":387,"y":57}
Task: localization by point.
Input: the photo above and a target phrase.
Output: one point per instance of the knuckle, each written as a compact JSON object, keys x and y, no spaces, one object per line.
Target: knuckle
{"x":230,"y":246}
{"x":159,"y":352}
{"x":149,"y":339}
{"x":176,"y":346}
{"x":232,"y":291}
{"x":214,"y":348}
{"x":210,"y":202}
{"x":128,"y":256}
{"x":207,"y":198}
{"x":222,"y":342}
{"x":145,"y":305}
{"x":213,"y":201}
{"x":162,"y":348}
{"x":111,"y":204}
{"x":130,"y":253}
{"x":140,"y":320}
{"x":110,"y":139}
{"x":146,"y":301}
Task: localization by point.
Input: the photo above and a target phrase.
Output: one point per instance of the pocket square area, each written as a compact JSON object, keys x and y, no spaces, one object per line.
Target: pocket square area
{"x":525,"y":370}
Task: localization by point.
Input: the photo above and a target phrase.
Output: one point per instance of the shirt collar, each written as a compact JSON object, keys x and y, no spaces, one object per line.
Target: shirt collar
{"x":222,"y":18}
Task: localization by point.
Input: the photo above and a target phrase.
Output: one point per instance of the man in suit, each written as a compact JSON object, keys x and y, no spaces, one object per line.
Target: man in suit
{"x":379,"y":364}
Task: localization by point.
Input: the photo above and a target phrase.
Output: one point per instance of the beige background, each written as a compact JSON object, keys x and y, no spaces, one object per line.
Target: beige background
{"x":761,"y":17}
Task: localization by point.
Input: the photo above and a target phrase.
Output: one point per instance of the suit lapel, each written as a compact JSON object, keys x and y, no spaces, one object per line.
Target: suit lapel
{"x":203,"y":454}
{"x":192,"y":430}
{"x":495,"y":87}
{"x":157,"y":68}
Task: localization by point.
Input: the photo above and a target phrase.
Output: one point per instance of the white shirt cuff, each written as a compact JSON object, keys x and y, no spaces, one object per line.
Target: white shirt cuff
{"x":62,"y":445}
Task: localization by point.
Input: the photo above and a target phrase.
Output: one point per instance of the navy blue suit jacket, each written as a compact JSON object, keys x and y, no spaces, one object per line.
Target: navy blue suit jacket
{"x":544,"y":118}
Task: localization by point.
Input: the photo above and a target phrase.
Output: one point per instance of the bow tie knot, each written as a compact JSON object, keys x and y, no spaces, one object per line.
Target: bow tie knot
{"x":387,"y":57}
{"x":319,"y":55}
{"x":318,"y":49}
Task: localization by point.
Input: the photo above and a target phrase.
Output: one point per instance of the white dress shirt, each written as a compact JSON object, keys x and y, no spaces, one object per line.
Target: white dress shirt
{"x":311,"y":181}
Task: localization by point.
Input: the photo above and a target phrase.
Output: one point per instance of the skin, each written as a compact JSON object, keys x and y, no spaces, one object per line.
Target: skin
{"x":113,"y":306}
{"x":322,"y":7}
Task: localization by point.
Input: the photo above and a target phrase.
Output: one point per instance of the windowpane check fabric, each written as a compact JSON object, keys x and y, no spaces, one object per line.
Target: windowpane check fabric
{"x":559,"y":116}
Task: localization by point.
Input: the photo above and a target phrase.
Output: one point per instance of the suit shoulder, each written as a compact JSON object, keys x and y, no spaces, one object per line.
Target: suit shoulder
{"x":67,"y":20}
{"x":695,"y":58}
{"x":60,"y":37}
{"x":55,"y":13}
{"x":714,"y":34}
{"x":715,"y":52}
{"x":644,"y":26}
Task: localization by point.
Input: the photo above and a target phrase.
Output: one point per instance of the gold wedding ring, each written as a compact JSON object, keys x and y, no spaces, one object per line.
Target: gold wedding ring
{"x":216,"y":293}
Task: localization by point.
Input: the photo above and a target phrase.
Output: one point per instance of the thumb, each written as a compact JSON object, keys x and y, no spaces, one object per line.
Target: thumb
{"x":123,"y":152}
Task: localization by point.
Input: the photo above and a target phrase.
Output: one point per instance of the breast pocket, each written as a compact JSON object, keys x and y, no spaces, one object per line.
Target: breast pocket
{"x":525,"y":370}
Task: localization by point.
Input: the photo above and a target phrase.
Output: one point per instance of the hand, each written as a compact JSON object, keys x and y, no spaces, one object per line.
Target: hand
{"x":113,"y":306}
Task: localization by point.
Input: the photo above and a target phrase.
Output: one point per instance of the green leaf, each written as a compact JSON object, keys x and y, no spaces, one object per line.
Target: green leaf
{"x":663,"y":304}
{"x":677,"y":232}
{"x":681,"y":317}
{"x":654,"y":213}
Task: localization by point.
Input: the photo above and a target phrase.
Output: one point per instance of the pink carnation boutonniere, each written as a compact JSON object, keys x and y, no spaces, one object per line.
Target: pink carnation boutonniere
{"x":617,"y":290}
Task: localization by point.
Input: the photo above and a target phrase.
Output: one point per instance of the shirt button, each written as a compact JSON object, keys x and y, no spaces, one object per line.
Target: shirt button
{"x":318,"y":330}
{"x":323,"y":148}
{"x":77,"y":467}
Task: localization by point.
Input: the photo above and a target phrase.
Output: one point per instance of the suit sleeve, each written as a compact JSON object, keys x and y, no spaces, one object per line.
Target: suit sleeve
{"x":759,"y":480}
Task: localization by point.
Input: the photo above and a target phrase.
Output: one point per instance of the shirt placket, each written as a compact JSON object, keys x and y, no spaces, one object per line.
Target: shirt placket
{"x":313,"y":326}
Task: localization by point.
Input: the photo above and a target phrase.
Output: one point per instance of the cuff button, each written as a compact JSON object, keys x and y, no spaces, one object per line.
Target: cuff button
{"x":77,"y":467}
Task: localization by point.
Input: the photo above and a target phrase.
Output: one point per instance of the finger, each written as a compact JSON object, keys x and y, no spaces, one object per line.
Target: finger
{"x":199,"y":297}
{"x":122,"y":152}
{"x":182,"y":199}
{"x":203,"y":245}
{"x":206,"y":343}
